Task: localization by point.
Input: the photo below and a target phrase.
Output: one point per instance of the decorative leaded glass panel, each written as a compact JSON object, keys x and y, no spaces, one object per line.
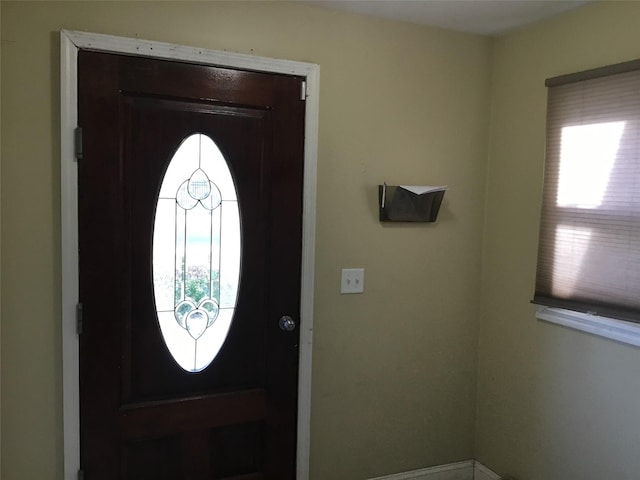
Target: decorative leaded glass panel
{"x":196,"y":253}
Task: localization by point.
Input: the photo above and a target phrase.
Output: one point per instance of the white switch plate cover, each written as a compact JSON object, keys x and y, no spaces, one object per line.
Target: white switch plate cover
{"x":352,"y":280}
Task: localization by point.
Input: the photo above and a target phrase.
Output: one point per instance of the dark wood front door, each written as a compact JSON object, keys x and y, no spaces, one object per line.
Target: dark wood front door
{"x":143,"y":416}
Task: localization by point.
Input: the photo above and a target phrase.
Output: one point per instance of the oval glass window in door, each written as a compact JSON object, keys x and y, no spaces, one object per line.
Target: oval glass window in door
{"x":196,"y":253}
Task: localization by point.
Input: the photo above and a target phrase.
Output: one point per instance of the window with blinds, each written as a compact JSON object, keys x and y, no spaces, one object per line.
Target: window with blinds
{"x":589,"y":245}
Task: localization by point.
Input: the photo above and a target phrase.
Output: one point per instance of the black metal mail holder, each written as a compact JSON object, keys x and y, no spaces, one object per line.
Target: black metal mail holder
{"x":398,"y":204}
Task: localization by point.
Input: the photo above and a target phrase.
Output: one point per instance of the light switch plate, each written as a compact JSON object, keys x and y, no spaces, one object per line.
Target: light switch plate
{"x":352,"y":280}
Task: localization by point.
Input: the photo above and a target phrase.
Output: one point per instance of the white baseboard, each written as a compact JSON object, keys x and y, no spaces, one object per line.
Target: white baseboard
{"x":480,"y":472}
{"x":467,"y":470}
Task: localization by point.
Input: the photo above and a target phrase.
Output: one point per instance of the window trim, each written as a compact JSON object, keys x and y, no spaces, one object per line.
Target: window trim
{"x":611,"y":328}
{"x":592,"y":73}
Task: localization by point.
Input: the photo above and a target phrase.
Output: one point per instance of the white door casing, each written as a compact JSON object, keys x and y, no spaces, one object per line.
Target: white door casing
{"x":70,"y":43}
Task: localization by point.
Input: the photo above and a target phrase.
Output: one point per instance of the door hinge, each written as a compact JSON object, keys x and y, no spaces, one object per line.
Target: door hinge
{"x":80,"y":474}
{"x":303,"y":90}
{"x":79,"y":318}
{"x":78,"y":142}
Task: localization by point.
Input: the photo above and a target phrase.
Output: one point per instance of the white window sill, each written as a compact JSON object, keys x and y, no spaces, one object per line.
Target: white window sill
{"x":621,"y":331}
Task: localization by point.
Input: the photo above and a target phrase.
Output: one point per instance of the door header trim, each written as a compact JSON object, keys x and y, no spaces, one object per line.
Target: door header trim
{"x":70,"y":43}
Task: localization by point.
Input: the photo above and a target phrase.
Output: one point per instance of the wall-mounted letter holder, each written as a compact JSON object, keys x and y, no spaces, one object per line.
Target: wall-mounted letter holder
{"x":409,"y":203}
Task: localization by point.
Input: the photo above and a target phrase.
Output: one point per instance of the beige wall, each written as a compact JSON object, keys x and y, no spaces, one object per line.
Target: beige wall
{"x":553,"y":404}
{"x":0,"y":263}
{"x":394,"y":369}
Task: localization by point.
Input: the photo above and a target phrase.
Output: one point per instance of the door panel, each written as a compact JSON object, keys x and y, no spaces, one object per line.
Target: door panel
{"x":142,"y":415}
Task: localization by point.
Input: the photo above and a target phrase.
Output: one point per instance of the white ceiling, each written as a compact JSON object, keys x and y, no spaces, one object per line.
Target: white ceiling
{"x":486,"y":17}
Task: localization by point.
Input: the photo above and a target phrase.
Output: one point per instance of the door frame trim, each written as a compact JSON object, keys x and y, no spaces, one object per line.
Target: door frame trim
{"x":70,"y":43}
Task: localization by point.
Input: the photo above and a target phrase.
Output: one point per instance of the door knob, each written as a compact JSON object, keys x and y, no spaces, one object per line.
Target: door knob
{"x":287,"y":323}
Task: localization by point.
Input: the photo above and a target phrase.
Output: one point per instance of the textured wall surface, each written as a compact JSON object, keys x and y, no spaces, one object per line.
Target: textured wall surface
{"x":553,"y":403}
{"x":394,"y":369}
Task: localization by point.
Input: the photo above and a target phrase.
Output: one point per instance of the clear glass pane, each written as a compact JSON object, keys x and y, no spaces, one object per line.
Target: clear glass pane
{"x":230,"y":258}
{"x":197,"y":272}
{"x":182,"y":165}
{"x":179,"y":343}
{"x":196,"y":253}
{"x":213,"y":339}
{"x":214,"y":162}
{"x":179,"y":265}
{"x":215,"y":254}
{"x":164,"y":255}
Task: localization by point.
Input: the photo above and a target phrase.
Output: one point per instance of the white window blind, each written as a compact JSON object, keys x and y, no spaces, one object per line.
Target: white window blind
{"x":589,"y":245}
